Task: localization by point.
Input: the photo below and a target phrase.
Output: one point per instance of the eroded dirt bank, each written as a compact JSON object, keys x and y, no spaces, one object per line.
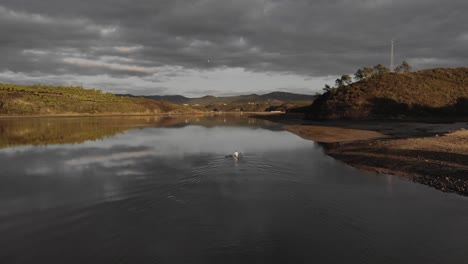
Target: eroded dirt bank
{"x":435,"y":154}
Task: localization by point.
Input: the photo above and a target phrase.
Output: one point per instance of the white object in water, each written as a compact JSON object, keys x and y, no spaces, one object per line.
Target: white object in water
{"x":235,"y":154}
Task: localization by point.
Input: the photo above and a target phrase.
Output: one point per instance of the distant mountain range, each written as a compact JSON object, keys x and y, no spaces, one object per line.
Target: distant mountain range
{"x":240,"y":99}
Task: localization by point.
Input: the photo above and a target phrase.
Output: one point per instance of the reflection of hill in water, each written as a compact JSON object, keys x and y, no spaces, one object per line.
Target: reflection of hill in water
{"x":45,"y":131}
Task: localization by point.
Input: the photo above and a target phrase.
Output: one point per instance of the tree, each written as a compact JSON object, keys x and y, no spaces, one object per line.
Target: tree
{"x":368,"y":72}
{"x":327,"y":88}
{"x":379,"y":69}
{"x":344,"y":80}
{"x":404,"y":67}
{"x":338,"y":82}
{"x":359,"y":75}
{"x":364,"y":73}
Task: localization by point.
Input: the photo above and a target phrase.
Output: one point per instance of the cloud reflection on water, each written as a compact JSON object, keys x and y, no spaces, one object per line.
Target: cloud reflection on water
{"x":86,"y":172}
{"x":149,"y":194}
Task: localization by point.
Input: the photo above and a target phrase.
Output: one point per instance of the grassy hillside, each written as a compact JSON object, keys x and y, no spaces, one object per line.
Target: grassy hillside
{"x":428,"y":93}
{"x":49,"y":100}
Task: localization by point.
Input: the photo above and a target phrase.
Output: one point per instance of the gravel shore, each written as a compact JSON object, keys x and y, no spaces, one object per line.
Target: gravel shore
{"x":435,"y":154}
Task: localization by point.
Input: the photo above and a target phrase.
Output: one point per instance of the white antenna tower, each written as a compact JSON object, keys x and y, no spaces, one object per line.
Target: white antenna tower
{"x":392,"y":62}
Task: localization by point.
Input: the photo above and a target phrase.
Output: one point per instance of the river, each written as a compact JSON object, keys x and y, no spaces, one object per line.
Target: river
{"x":161,"y":190}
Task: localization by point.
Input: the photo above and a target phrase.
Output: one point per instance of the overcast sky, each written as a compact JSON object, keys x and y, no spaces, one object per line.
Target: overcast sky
{"x":222,"y":47}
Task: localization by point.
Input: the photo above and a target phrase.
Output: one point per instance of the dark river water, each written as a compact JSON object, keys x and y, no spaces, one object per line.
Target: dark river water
{"x":160,"y":190}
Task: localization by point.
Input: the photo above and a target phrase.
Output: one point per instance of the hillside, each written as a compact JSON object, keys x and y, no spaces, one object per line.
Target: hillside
{"x":240,"y":99}
{"x":50,"y":100}
{"x":176,"y":99}
{"x":275,"y":101}
{"x":428,"y":93}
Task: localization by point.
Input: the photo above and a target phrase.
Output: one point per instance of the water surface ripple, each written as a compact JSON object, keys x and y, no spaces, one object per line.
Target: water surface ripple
{"x":160,"y":191}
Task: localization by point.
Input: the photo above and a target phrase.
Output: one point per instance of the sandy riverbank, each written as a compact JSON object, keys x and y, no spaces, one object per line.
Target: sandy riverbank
{"x":434,"y":154}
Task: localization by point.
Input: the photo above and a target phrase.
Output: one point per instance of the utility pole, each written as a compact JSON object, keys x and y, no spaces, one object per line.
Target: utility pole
{"x":392,"y":62}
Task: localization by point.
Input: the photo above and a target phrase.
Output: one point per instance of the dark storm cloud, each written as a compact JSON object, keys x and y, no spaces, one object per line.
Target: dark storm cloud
{"x":316,"y":38}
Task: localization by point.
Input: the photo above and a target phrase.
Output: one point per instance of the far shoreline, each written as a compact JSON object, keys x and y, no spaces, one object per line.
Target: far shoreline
{"x":132,"y":114}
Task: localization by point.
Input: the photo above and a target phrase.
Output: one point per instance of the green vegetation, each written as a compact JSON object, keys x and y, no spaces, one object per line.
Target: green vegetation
{"x":379,"y":69}
{"x":253,"y":106}
{"x":382,"y":94}
{"x":403,"y":68}
{"x":246,"y":103}
{"x":344,"y":80}
{"x":240,"y":99}
{"x":364,"y":73}
{"x":50,"y":100}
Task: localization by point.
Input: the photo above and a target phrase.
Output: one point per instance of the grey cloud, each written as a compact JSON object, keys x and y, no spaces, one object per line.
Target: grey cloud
{"x":312,"y":38}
